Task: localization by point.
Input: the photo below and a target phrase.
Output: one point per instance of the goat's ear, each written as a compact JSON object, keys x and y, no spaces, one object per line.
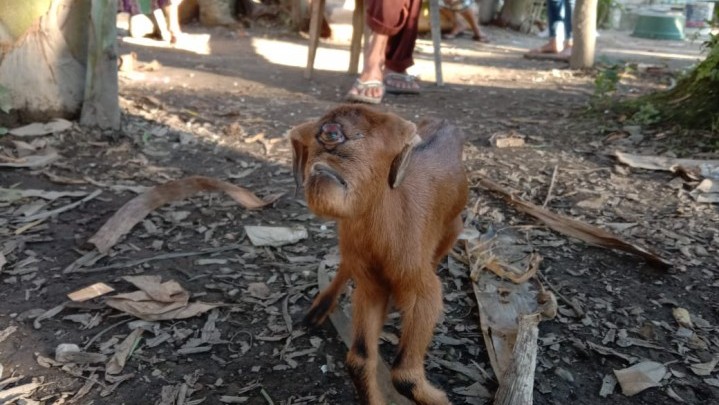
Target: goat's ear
{"x":300,"y":136}
{"x":400,"y":163}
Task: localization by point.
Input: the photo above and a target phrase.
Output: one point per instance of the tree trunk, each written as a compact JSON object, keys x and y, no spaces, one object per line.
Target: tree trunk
{"x":487,"y":10}
{"x":100,"y":105}
{"x":43,"y":51}
{"x":584,"y":30}
{"x":515,"y":13}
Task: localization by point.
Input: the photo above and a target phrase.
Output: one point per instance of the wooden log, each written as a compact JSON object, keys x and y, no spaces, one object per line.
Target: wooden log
{"x":517,"y":384}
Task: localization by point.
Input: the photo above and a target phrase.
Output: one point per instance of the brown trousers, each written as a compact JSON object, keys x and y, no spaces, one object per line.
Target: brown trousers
{"x":398,"y":19}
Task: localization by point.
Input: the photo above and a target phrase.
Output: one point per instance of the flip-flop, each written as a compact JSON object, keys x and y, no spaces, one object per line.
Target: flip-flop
{"x":481,"y":39}
{"x":558,"y":56}
{"x":400,"y":77}
{"x":360,"y":87}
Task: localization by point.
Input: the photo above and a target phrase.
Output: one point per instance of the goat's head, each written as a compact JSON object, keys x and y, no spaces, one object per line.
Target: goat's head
{"x":349,"y":157}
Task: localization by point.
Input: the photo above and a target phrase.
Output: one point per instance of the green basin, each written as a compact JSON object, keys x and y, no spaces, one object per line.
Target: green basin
{"x":659,"y":26}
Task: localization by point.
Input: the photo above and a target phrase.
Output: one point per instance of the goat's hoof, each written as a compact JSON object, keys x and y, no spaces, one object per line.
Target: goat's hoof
{"x":320,"y":310}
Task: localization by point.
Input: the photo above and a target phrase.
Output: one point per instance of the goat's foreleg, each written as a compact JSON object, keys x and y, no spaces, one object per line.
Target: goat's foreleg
{"x":369,"y":309}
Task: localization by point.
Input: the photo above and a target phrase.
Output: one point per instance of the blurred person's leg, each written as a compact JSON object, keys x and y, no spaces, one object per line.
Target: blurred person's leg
{"x":400,"y":50}
{"x":384,"y":19}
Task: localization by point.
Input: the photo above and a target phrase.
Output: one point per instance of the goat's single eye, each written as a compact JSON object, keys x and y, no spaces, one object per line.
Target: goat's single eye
{"x":331,"y":134}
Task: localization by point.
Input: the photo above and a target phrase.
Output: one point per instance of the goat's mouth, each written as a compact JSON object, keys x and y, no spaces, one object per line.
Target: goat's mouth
{"x":320,"y":169}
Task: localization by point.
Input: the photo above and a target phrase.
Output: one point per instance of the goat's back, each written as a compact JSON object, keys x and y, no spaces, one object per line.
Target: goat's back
{"x":436,"y":171}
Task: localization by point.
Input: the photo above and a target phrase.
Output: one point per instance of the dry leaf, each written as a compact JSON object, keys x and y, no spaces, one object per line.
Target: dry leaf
{"x":47,"y":156}
{"x":157,"y":301}
{"x":229,"y":399}
{"x":90,"y":292}
{"x":71,"y":353}
{"x":5,"y":333}
{"x":704,"y":369}
{"x":673,"y":395}
{"x":139,"y":207}
{"x":47,"y":315}
{"x":275,"y":236}
{"x":13,"y":194}
{"x":259,"y":290}
{"x":122,"y":352}
{"x":511,"y":139}
{"x":639,"y":377}
{"x":661,"y":162}
{"x":609,"y":382}
{"x":38,"y":128}
{"x":683,"y":318}
{"x":475,"y":390}
{"x":10,"y":395}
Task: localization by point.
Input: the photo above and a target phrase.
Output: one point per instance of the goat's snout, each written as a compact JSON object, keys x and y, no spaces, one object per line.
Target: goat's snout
{"x":325,"y":171}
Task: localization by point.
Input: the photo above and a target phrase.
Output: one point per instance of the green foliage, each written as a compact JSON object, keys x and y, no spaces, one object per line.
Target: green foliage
{"x":604,"y":9}
{"x":5,"y":100}
{"x":692,"y":103}
{"x":647,"y":114}
{"x":605,"y":84}
{"x":709,"y":68}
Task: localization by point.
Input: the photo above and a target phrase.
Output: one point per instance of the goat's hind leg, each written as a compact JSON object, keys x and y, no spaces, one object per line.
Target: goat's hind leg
{"x":421,"y":307}
{"x":326,"y":301}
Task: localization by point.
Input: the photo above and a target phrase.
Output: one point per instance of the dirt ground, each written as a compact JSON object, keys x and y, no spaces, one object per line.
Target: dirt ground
{"x":224,"y":113}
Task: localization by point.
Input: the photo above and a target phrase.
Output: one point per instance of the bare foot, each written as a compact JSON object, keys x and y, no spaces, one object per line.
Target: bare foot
{"x":373,"y":89}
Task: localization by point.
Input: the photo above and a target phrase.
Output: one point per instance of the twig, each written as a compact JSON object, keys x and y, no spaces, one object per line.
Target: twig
{"x":515,"y":275}
{"x":48,"y":214}
{"x":460,"y":368}
{"x":578,"y":311}
{"x":267,"y":396}
{"x":158,"y":257}
{"x":574,"y":228}
{"x":288,"y":325}
{"x":25,"y":227}
{"x":102,"y":332}
{"x":592,"y":170}
{"x":551,"y":185}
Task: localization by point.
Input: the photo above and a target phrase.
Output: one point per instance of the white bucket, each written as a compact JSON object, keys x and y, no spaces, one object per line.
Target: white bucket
{"x":698,"y":14}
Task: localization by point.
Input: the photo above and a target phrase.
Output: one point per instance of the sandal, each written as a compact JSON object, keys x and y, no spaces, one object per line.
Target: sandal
{"x":412,"y":86}
{"x":360,"y":87}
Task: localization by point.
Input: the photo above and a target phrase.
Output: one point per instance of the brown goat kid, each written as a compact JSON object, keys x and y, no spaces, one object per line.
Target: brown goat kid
{"x":396,"y":193}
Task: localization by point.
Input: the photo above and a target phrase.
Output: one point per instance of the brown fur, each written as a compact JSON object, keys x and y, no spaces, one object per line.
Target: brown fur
{"x":396,"y":219}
